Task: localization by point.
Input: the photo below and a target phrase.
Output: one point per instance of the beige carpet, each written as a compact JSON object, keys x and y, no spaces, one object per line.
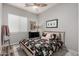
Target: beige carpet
{"x":17,"y":51}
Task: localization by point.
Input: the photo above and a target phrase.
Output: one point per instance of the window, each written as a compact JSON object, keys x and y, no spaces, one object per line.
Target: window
{"x":17,"y":23}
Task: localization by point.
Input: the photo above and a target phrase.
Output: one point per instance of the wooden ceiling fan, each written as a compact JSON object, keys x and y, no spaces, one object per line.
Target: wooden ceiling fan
{"x":35,"y":4}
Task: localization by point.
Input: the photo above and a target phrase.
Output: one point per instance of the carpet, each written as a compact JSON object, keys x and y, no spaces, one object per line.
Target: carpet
{"x":62,"y":52}
{"x":21,"y":52}
{"x":17,"y":51}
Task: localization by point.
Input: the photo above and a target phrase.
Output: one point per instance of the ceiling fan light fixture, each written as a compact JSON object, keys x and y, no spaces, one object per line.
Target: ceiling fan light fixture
{"x":36,"y":4}
{"x":35,"y":7}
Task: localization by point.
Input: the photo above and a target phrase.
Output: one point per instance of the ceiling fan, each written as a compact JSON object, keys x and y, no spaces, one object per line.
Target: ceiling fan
{"x":35,"y":4}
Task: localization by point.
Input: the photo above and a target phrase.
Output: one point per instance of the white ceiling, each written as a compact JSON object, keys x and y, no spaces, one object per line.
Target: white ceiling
{"x":31,"y":9}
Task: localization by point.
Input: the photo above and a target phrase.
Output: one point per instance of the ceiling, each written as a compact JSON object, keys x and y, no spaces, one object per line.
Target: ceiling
{"x":31,"y":9}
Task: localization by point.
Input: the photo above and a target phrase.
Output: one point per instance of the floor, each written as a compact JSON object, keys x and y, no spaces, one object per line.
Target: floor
{"x":20,"y":52}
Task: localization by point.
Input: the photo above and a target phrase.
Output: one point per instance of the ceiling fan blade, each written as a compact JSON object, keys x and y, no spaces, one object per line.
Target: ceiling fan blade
{"x":36,"y":4}
{"x":28,"y":5}
{"x":40,"y":4}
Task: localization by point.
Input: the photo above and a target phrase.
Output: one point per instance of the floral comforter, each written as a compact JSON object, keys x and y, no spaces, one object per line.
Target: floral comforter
{"x":41,"y":47}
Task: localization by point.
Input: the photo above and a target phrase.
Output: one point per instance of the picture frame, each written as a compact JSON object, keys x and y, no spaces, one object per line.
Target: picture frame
{"x":32,"y":25}
{"x":52,"y":23}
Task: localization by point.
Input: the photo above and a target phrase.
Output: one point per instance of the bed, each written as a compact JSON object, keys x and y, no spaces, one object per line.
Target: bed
{"x":49,"y":43}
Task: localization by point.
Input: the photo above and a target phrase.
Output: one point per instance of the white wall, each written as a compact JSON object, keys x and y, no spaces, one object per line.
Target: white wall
{"x":67,"y":21}
{"x":15,"y":37}
{"x":0,"y":21}
{"x":78,"y":28}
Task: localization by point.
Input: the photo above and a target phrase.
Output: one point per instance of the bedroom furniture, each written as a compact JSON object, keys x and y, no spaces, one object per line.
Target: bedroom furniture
{"x":6,"y":41}
{"x":34,"y":34}
{"x":5,"y":34}
{"x":7,"y":51}
{"x":27,"y":50}
{"x":42,"y":47}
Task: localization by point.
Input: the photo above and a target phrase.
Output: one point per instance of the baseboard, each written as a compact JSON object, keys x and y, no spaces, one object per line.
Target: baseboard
{"x":78,"y":53}
{"x":0,"y":49}
{"x":73,"y":52}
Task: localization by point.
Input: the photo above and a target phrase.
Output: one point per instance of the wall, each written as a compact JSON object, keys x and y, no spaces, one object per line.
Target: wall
{"x":67,"y":21}
{"x":78,"y":28}
{"x":0,"y":21}
{"x":16,"y":37}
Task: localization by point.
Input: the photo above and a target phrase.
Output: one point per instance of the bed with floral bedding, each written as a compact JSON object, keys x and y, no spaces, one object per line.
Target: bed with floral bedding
{"x":42,"y":46}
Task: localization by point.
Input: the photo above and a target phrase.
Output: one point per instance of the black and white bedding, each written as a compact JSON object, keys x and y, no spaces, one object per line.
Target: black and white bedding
{"x":42,"y":47}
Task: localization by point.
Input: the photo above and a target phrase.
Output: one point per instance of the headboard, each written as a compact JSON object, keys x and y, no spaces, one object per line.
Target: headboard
{"x":61,"y":33}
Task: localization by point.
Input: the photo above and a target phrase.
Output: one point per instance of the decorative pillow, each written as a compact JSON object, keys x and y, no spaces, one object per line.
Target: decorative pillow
{"x":58,"y":35}
{"x":48,"y":36}
{"x":44,"y":34}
